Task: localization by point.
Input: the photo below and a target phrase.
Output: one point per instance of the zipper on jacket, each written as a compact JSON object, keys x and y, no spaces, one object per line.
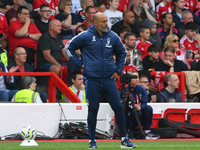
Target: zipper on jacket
{"x":102,"y":58}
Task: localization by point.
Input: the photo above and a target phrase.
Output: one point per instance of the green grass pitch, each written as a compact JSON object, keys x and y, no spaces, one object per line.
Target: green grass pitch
{"x":105,"y":145}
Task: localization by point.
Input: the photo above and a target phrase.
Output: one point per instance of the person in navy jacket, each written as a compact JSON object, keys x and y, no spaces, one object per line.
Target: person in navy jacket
{"x":97,"y":46}
{"x":170,"y":94}
{"x":144,"y":111}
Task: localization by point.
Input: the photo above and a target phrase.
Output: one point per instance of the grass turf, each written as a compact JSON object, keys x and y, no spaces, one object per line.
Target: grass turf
{"x":105,"y":145}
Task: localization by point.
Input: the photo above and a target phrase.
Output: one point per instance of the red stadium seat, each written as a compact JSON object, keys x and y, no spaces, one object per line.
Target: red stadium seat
{"x":64,"y":73}
{"x":193,"y":116}
{"x":155,"y":120}
{"x":176,"y":114}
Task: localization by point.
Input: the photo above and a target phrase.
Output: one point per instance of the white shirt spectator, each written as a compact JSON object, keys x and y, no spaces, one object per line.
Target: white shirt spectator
{"x":113,"y":17}
{"x":76,"y":6}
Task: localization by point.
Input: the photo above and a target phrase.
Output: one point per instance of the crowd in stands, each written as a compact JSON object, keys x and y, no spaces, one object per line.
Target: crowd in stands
{"x":158,"y":36}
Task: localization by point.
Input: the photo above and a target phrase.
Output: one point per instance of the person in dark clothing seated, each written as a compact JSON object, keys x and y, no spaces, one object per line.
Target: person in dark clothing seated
{"x":152,"y":61}
{"x":144,"y":82}
{"x":129,"y":21}
{"x":144,"y":111}
{"x":20,"y":57}
{"x":43,"y":23}
{"x":169,"y":94}
{"x":69,"y":20}
{"x":170,"y":64}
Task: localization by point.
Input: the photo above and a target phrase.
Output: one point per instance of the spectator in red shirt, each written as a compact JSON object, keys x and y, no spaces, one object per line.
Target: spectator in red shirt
{"x":191,"y":5}
{"x":142,"y":44}
{"x":52,"y":3}
{"x":188,"y":41}
{"x":161,"y":8}
{"x":90,"y":11}
{"x":24,"y":33}
{"x":3,"y":30}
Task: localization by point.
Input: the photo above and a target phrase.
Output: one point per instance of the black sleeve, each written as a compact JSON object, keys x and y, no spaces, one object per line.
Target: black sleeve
{"x":29,"y":1}
{"x":179,"y":66}
{"x":162,"y":67}
{"x":197,"y":66}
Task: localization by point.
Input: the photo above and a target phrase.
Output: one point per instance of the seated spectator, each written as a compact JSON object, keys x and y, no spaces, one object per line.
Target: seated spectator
{"x":12,"y":14}
{"x":89,"y":14}
{"x":84,"y":5}
{"x":69,"y":21}
{"x":27,"y":94}
{"x":187,"y":16}
{"x":129,"y":21}
{"x":144,"y":82}
{"x":167,"y":28}
{"x":152,"y":61}
{"x":112,"y":13}
{"x":20,"y":57}
{"x":3,"y":31}
{"x":43,"y":23}
{"x":190,"y":58}
{"x":5,"y":6}
{"x":188,"y":41}
{"x":50,"y":49}
{"x":177,"y":14}
{"x":78,"y":87}
{"x":144,"y":111}
{"x":142,"y":10}
{"x":173,"y":41}
{"x":162,"y":8}
{"x":52,"y":3}
{"x":135,"y":56}
{"x":170,"y":64}
{"x":23,"y":33}
{"x":5,"y":83}
{"x":170,"y":94}
{"x":122,"y":31}
{"x":80,"y":29}
{"x":142,"y":44}
{"x":127,"y":65}
{"x":154,"y":37}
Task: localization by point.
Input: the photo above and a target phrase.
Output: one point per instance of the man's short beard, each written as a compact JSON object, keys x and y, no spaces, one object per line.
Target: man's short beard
{"x":131,"y":47}
{"x":101,"y":29}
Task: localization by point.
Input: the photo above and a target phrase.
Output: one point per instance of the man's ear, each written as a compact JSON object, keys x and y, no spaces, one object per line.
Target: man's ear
{"x":73,"y":80}
{"x":141,"y":33}
{"x":95,"y":23}
{"x":125,"y":40}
